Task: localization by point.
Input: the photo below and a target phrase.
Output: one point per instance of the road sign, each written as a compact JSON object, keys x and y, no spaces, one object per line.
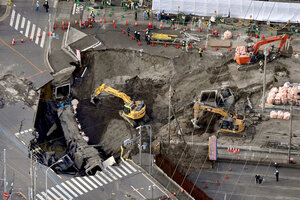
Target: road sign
{"x":5,"y":195}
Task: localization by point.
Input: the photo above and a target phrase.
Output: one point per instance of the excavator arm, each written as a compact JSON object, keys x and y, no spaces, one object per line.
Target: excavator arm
{"x":219,"y":111}
{"x":111,"y":91}
{"x":255,"y":47}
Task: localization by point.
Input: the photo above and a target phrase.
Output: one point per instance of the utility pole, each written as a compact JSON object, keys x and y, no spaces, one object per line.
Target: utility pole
{"x":4,"y":170}
{"x":140,"y":146}
{"x":169,"y":119}
{"x":31,"y":176}
{"x":291,"y":121}
{"x":264,"y":81}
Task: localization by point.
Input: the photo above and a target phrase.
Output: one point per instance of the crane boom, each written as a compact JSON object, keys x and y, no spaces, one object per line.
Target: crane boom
{"x":112,"y":91}
{"x":255,"y":47}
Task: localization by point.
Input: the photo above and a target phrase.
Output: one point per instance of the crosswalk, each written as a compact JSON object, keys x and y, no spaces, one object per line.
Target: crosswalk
{"x":77,"y":186}
{"x":18,"y":22}
{"x":25,"y":136}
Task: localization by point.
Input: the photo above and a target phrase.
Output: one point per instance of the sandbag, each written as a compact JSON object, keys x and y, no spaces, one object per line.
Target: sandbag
{"x":273,"y":114}
{"x":280,"y":115}
{"x":287,"y":115}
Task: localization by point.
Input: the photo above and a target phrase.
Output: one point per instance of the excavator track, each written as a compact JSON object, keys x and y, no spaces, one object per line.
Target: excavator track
{"x":130,"y":121}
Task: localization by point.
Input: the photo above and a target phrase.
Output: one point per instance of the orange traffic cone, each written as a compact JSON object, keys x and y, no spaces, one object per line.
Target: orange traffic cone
{"x":205,"y":186}
{"x":113,"y":21}
{"x":263,"y":37}
{"x":230,"y":169}
{"x":226,"y":176}
{"x":174,"y":194}
{"x":256,"y":36}
{"x":22,"y":41}
{"x":217,"y":48}
{"x":295,"y":53}
{"x":123,"y":32}
{"x":114,"y":25}
{"x":229,"y":48}
{"x":199,"y":30}
{"x":63,"y":27}
{"x":126,"y":24}
{"x":131,"y":37}
{"x":100,"y":20}
{"x":239,"y":149}
{"x":104,"y":21}
{"x":218,"y":183}
{"x":48,"y":33}
{"x":203,"y":47}
{"x":135,"y":24}
{"x":181,"y":190}
{"x":160,"y":26}
{"x":165,"y":44}
{"x":139,"y":43}
{"x":234,"y":152}
{"x":54,"y":26}
{"x":76,"y":22}
{"x":228,"y":149}
{"x":191,"y":47}
{"x":177,"y":46}
{"x":153,"y":44}
{"x":13,"y":42}
{"x":30,"y":38}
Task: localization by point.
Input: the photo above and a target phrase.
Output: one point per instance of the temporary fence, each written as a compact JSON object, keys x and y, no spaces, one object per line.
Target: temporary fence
{"x":244,"y":9}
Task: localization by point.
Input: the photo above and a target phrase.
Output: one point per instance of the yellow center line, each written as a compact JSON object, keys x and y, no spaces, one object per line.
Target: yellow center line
{"x":17,"y":52}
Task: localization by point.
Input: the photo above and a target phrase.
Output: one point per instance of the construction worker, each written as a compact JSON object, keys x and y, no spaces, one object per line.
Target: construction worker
{"x":277,"y":175}
{"x":128,"y":31}
{"x":276,"y":165}
{"x":187,"y":47}
{"x":138,"y":36}
{"x":148,"y":39}
{"x":144,"y":15}
{"x":92,"y":14}
{"x":135,"y":35}
{"x":148,"y":14}
{"x":135,"y":15}
{"x":257,"y":176}
{"x":200,"y":52}
{"x":37,"y":5}
{"x":46,"y":5}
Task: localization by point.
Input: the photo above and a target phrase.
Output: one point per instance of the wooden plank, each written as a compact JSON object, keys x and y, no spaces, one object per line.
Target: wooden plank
{"x":218,"y":43}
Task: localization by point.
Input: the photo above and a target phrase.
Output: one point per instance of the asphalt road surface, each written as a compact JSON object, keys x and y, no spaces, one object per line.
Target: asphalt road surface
{"x":241,"y":182}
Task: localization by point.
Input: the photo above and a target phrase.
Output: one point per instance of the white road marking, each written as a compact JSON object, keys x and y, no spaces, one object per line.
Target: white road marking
{"x":32,"y":30}
{"x":94,"y":179}
{"x":84,"y":183}
{"x":125,"y":168}
{"x":51,"y":193}
{"x":43,"y":39}
{"x":40,"y":197}
{"x":105,"y":176}
{"x":25,"y":131}
{"x":74,"y":8}
{"x":59,"y":194}
{"x":101,"y":179}
{"x":121,"y":171}
{"x":30,"y":129}
{"x":69,"y":189}
{"x":22,"y":132}
{"x":111,"y":174}
{"x":22,"y":24}
{"x":80,"y":186}
{"x":38,"y":33}
{"x":48,"y":198}
{"x":88,"y":180}
{"x":75,"y":188}
{"x":114,"y":171}
{"x":12,"y":18}
{"x":154,"y":184}
{"x":131,"y":167}
{"x":138,"y":192}
{"x":17,"y":21}
{"x":23,"y":142}
{"x":17,"y":134}
{"x":27,"y":32}
{"x":65,"y":192}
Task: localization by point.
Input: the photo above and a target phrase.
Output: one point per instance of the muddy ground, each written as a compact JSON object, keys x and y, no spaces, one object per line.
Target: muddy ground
{"x":148,"y":77}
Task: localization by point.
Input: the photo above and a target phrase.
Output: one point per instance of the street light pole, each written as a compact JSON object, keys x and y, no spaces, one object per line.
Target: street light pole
{"x":150,"y":158}
{"x":264,"y":81}
{"x":47,"y":176}
{"x":291,"y":122}
{"x":50,"y":38}
{"x":4,"y":170}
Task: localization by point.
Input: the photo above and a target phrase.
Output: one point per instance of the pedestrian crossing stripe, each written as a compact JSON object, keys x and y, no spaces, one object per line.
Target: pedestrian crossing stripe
{"x":79,"y":185}
{"x":59,"y":194}
{"x":67,"y":188}
{"x":20,"y":24}
{"x":88,"y":180}
{"x":132,"y":168}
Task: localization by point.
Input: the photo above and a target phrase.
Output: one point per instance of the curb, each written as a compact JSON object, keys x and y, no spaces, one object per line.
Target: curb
{"x":6,"y":14}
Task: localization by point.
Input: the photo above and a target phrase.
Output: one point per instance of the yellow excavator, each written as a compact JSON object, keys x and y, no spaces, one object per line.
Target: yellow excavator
{"x":132,"y":111}
{"x":231,"y":123}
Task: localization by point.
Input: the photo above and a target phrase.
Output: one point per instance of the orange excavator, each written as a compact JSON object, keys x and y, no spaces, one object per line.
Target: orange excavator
{"x":250,"y":54}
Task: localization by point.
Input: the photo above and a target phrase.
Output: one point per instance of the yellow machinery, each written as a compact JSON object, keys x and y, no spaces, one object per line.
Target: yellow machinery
{"x":231,"y":123}
{"x":133,"y":110}
{"x":163,"y":37}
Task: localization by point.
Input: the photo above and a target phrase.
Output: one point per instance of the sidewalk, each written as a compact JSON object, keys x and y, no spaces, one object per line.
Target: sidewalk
{"x":161,"y":177}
